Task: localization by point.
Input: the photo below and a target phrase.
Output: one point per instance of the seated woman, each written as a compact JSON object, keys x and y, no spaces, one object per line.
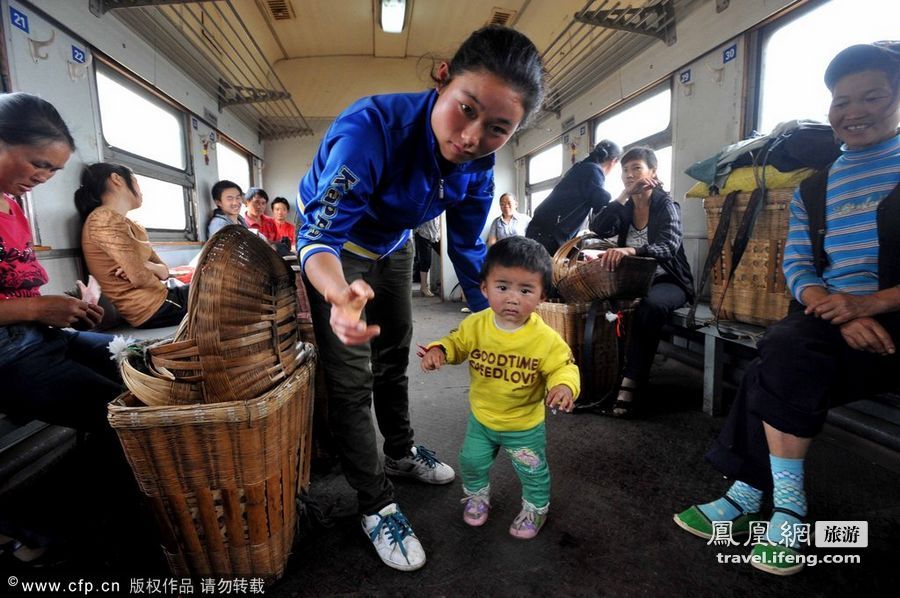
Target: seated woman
{"x":48,"y":371}
{"x":286,"y":230}
{"x":842,"y":265}
{"x":648,"y":224}
{"x":118,"y":252}
{"x":228,"y":198}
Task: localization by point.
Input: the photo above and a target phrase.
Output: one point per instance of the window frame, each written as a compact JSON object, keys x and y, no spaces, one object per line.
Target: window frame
{"x":756,"y":44}
{"x":756,"y":40}
{"x":252,"y":175}
{"x":531,"y":188}
{"x":655,"y":141}
{"x":183,"y":177}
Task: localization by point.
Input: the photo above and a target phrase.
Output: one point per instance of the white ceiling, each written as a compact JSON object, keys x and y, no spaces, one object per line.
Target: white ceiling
{"x":350,"y":27}
{"x":329,"y":52}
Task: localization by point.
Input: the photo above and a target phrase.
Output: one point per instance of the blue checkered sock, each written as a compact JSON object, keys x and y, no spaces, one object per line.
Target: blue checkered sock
{"x":788,"y":493}
{"x":741,"y":495}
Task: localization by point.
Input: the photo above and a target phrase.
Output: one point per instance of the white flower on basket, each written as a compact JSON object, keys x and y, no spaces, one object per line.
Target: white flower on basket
{"x":120,"y":346}
{"x":611,"y":317}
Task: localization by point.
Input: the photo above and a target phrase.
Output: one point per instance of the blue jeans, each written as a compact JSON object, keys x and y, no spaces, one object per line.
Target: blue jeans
{"x":58,"y":376}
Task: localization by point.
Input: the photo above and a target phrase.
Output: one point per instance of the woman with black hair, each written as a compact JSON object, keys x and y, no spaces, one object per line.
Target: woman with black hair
{"x":49,"y":371}
{"x":118,"y":252}
{"x":387,"y":164}
{"x":580,"y":191}
{"x":647,"y":223}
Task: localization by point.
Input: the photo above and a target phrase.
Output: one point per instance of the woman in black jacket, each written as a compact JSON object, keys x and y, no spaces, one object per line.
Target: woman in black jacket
{"x":648,"y":224}
{"x":560,"y":216}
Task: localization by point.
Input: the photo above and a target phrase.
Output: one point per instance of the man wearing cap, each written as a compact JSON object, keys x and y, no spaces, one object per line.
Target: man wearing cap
{"x":839,"y":343}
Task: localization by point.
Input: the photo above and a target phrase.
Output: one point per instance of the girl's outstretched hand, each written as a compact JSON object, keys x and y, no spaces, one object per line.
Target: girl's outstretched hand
{"x":432,"y":359}
{"x":346,"y":309}
{"x":560,"y":397}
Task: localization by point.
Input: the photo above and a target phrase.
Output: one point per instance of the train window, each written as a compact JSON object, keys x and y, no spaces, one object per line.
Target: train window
{"x":646,"y":121}
{"x":638,"y":121}
{"x":157,"y":134}
{"x":233,"y":165}
{"x":154,"y":146}
{"x":165,"y":211}
{"x":545,"y":165}
{"x":544,"y":170}
{"x":795,"y":54}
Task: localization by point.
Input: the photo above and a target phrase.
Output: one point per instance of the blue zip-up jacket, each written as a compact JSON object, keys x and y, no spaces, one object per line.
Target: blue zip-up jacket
{"x":376,"y":176}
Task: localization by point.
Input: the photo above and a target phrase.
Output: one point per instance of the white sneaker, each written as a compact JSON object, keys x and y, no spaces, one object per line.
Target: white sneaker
{"x":422,"y":465}
{"x":394,"y":539}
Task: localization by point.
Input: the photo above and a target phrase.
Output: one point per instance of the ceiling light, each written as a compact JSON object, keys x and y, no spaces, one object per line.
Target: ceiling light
{"x":393,"y":13}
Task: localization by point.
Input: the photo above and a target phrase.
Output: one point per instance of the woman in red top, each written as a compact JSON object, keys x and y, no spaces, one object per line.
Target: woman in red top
{"x":48,"y":371}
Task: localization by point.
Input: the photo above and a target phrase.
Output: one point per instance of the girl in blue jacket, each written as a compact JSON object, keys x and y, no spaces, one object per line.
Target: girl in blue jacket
{"x":386,"y":165}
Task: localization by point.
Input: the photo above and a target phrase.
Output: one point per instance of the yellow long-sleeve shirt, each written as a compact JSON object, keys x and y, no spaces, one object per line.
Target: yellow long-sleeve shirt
{"x":510,"y":371}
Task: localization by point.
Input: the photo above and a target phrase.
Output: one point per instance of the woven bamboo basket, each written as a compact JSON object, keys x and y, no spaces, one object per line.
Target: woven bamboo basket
{"x":758,"y":293}
{"x":579,"y":280}
{"x":158,"y":390}
{"x":223,"y":478}
{"x":569,"y":319}
{"x":240,"y":336}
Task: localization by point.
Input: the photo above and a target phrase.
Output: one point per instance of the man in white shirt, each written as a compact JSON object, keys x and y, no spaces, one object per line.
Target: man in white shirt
{"x":510,"y":223}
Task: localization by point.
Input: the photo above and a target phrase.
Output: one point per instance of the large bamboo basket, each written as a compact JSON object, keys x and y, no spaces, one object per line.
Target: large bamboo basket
{"x":758,"y":293}
{"x":223,"y":478}
{"x":240,"y":336}
{"x":601,"y":374}
{"x":579,"y":280}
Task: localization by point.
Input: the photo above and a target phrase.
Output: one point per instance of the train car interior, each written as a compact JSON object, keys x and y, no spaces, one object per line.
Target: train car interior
{"x":185,"y":93}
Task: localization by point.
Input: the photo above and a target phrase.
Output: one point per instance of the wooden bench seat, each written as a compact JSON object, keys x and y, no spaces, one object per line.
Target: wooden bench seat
{"x":874,"y":418}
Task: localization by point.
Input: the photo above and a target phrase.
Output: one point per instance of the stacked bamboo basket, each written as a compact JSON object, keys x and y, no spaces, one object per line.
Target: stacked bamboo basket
{"x":217,"y":426}
{"x":583,"y":283}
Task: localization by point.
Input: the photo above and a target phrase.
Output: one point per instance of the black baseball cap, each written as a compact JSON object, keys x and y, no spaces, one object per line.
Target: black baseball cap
{"x":882,"y":56}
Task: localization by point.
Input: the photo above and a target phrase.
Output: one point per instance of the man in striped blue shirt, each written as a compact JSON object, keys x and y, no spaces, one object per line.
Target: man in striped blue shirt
{"x":842,"y":264}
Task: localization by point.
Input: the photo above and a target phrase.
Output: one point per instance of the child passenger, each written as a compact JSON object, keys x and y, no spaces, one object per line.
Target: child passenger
{"x":387,"y":164}
{"x":516,"y":363}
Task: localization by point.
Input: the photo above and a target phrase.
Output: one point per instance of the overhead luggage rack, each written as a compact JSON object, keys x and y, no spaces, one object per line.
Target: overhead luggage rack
{"x":211,"y":43}
{"x":601,"y":37}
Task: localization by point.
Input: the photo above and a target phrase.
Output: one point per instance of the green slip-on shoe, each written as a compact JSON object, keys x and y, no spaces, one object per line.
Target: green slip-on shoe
{"x":693,"y":520}
{"x":776,"y":559}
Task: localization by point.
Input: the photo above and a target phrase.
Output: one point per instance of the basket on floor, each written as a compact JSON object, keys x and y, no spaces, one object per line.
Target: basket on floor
{"x":223,"y":478}
{"x":599,"y":370}
{"x":240,"y":336}
{"x":579,"y":280}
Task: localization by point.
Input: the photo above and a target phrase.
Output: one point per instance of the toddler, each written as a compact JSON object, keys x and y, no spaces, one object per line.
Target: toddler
{"x":514,"y":357}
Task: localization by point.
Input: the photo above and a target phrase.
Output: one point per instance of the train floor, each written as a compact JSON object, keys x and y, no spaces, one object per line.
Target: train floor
{"x":616,"y":485}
